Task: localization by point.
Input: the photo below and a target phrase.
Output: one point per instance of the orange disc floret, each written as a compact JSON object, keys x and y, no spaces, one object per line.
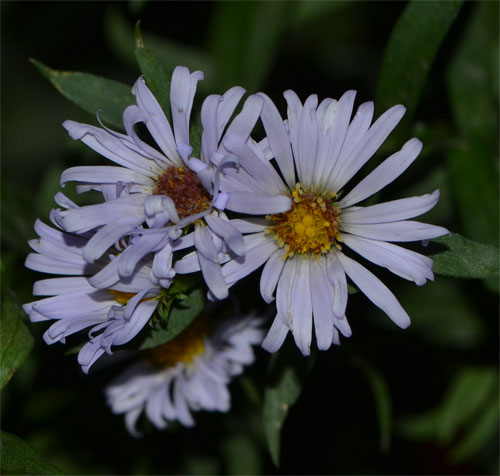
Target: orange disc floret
{"x":311,"y":226}
{"x":184,"y":348}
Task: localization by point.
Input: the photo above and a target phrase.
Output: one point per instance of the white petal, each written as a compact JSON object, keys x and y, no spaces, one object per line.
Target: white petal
{"x":104,"y":174}
{"x":348,"y":166}
{"x":394,"y":210}
{"x":384,"y":174}
{"x":333,"y":136}
{"x":258,"y":168}
{"x":396,"y":231}
{"x":278,"y":140}
{"x":307,"y":141}
{"x":226,"y":230}
{"x":182,"y":91}
{"x":375,"y":291}
{"x":357,"y":129}
{"x":322,"y":304}
{"x":250,"y":225}
{"x":271,"y":274}
{"x":258,"y":204}
{"x":276,"y":335}
{"x":116,"y":147}
{"x":302,"y":307}
{"x":294,"y":111}
{"x":337,"y":278}
{"x":156,"y":121}
{"x":405,"y":263}
{"x":284,"y":291}
{"x":256,"y":255}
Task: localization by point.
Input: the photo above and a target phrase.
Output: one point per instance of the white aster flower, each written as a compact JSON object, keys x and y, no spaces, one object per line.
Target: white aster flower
{"x":154,"y":194}
{"x":317,"y":151}
{"x":115,"y":316}
{"x":190,"y":373}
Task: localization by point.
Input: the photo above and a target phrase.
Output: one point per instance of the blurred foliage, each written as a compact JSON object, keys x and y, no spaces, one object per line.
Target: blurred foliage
{"x":15,"y":339}
{"x":438,"y":380}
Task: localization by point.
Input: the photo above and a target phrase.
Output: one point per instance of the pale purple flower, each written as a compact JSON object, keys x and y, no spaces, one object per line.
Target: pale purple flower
{"x":190,"y":373}
{"x":154,"y":194}
{"x":115,"y":316}
{"x":316,"y":152}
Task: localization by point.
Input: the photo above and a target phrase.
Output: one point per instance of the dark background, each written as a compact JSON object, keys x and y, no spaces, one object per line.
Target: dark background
{"x":333,"y":429}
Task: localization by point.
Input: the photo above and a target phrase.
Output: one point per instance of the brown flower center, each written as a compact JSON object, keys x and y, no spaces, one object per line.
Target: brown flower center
{"x":185,"y":189}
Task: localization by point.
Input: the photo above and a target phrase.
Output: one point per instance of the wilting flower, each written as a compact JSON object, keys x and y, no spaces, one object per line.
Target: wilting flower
{"x":190,"y":373}
{"x":317,"y":151}
{"x":154,"y":194}
{"x":115,"y":315}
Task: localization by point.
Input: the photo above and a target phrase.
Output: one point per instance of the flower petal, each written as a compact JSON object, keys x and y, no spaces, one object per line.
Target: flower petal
{"x":322,"y":304}
{"x":384,"y":174}
{"x":405,"y":263}
{"x":375,"y":291}
{"x":258,"y":204}
{"x":271,"y":274}
{"x":396,"y":231}
{"x":394,"y":210}
{"x":278,"y":140}
{"x":349,"y":165}
{"x":276,"y":335}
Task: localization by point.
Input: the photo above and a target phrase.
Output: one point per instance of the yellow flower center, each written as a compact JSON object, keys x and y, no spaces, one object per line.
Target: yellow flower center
{"x":185,"y":189}
{"x":184,"y":348}
{"x":311,"y":226}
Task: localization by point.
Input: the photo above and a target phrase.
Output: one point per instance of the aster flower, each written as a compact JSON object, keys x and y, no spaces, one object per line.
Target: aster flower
{"x":115,"y":316}
{"x":190,"y":373}
{"x":317,"y":151}
{"x":157,"y":194}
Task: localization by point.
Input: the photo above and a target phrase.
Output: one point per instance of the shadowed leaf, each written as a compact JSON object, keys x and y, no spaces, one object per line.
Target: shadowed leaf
{"x":92,"y":93}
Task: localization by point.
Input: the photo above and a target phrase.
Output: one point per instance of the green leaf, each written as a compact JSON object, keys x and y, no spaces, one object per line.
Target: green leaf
{"x":459,"y":257}
{"x":19,"y":457}
{"x":382,"y":398}
{"x":466,"y":395}
{"x":474,"y":163}
{"x":446,"y":317}
{"x":181,"y":314}
{"x":469,"y":409}
{"x":286,"y":375}
{"x":15,"y":340}
{"x":90,"y":92}
{"x":156,"y":79}
{"x":120,"y":36}
{"x":410,"y":52}
{"x":241,"y":455}
{"x":306,"y":11}
{"x":244,"y":39}
{"x":483,"y":429}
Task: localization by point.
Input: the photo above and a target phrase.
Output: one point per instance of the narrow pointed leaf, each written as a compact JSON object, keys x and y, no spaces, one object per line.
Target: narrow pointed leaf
{"x":286,"y":376}
{"x":382,"y":400}
{"x":181,"y":313}
{"x":92,"y":93}
{"x":471,"y":88}
{"x":15,"y":340}
{"x":254,"y":30}
{"x":19,"y":457}
{"x":410,"y":52}
{"x":156,"y":79}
